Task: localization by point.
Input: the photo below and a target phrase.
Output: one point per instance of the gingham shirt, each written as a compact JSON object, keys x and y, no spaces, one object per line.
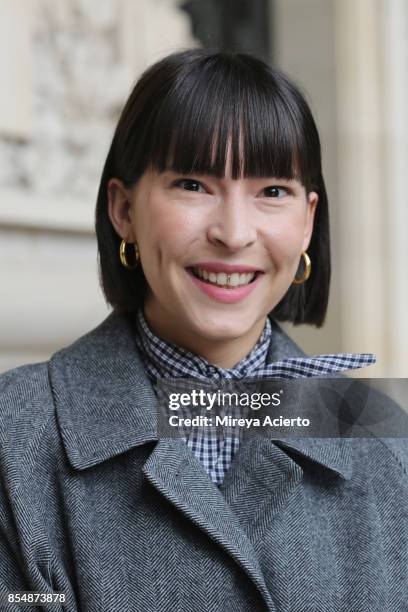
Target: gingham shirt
{"x":166,"y":360}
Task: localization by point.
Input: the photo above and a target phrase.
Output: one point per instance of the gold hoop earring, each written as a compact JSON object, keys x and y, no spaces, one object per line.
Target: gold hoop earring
{"x":122,"y":255}
{"x":307,"y":270}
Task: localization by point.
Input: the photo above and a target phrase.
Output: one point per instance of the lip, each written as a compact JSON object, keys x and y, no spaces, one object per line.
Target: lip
{"x":219,"y":266}
{"x":226,"y":296}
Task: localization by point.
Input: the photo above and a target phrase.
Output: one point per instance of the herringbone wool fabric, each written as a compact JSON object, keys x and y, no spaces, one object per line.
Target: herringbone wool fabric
{"x":94,"y":505}
{"x":163,"y":360}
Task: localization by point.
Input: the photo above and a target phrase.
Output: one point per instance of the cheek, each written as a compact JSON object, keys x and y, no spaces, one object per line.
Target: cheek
{"x":169,"y":229}
{"x":284,"y":239}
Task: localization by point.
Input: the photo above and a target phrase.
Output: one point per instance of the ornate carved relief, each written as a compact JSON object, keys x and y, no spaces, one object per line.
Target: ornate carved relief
{"x":85,"y":56}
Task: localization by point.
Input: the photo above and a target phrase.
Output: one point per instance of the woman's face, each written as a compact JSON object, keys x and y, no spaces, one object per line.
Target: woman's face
{"x":192,"y":226}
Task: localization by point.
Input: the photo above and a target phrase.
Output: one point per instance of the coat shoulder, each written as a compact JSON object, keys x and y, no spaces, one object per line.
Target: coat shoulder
{"x":389,"y":422}
{"x":26,"y":403}
{"x":392,"y":419}
{"x":398,"y":447}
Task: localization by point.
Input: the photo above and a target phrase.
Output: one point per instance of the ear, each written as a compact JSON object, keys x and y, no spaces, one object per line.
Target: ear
{"x":119,"y":209}
{"x":313,"y":199}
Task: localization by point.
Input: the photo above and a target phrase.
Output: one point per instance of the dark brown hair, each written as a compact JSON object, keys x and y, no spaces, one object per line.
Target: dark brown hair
{"x":179,"y":108}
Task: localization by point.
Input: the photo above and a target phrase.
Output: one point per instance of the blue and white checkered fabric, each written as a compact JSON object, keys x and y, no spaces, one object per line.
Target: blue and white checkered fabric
{"x":166,"y":360}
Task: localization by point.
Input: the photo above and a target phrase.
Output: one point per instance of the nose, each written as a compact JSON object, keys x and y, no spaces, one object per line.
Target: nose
{"x":232,"y":225}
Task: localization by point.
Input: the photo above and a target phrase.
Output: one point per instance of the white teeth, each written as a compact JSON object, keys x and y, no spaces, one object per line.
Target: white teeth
{"x":234,"y":280}
{"x":224,"y":279}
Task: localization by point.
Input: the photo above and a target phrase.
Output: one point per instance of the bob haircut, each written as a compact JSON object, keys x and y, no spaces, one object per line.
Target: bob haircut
{"x":182,"y":114}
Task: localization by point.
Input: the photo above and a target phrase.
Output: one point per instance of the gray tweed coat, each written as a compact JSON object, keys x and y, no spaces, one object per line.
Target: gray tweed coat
{"x":94,"y":506}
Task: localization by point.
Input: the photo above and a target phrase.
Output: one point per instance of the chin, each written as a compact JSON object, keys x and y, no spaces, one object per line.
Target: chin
{"x":223,"y":326}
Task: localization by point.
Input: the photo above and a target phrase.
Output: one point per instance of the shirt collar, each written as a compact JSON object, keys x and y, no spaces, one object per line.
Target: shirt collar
{"x":106,"y":404}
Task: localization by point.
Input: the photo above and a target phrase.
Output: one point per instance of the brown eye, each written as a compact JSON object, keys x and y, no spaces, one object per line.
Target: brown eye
{"x":189,"y":185}
{"x":276,"y":192}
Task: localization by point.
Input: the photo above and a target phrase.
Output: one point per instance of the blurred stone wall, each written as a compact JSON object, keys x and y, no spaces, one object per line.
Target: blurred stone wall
{"x":351,"y":58}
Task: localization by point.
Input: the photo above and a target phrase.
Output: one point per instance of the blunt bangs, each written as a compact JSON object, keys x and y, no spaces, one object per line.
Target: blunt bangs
{"x":217,"y":102}
{"x":194,"y":112}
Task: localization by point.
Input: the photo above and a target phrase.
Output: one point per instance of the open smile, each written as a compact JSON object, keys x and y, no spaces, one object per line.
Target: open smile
{"x":225,"y":287}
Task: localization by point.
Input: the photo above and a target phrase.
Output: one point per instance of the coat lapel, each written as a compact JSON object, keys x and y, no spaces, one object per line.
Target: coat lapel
{"x":259,"y":484}
{"x":176,"y":473}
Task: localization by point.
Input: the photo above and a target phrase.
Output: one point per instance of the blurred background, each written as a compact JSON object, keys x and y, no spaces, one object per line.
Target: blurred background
{"x":67,"y":66}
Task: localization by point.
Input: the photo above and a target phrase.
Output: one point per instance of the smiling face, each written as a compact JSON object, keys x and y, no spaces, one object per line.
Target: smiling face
{"x":191,"y":226}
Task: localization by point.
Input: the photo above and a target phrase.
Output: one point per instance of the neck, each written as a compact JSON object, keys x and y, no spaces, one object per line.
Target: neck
{"x":224,"y":353}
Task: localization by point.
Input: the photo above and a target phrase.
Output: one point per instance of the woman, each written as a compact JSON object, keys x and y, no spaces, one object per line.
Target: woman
{"x":212,"y":224}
